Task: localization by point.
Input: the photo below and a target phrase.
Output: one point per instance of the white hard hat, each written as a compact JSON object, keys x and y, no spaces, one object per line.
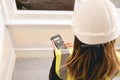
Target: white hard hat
{"x":95,"y":21}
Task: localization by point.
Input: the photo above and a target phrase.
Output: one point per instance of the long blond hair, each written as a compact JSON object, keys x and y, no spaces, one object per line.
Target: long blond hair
{"x":92,"y":62}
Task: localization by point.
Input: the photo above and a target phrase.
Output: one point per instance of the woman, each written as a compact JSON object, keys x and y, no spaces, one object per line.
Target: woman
{"x":94,"y":57}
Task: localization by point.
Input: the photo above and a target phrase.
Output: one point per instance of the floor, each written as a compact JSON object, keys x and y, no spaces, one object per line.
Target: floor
{"x":32,"y":68}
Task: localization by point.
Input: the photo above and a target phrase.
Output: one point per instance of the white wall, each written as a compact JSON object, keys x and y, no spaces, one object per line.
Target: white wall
{"x":1,"y":43}
{"x":7,"y":56}
{"x":35,"y":36}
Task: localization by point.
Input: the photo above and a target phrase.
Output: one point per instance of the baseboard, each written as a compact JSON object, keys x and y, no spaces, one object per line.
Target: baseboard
{"x":33,"y":52}
{"x":11,"y":67}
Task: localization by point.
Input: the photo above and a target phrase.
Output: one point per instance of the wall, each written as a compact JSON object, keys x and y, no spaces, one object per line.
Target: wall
{"x":7,"y":56}
{"x":38,"y":36}
{"x":34,"y":40}
{"x":1,"y":43}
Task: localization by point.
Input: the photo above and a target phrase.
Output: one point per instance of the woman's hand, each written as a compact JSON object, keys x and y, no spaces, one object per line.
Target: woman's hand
{"x":69,"y":45}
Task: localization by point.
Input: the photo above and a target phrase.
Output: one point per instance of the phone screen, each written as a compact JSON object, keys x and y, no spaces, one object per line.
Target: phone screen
{"x":59,"y":43}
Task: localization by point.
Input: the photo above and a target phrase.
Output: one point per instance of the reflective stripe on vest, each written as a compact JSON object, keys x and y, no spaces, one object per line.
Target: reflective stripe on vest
{"x":61,"y":57}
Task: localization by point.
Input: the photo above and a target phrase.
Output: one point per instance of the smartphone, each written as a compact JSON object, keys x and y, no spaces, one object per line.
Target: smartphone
{"x":59,"y":43}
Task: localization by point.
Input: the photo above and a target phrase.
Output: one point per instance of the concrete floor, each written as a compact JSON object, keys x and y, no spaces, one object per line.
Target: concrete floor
{"x":32,"y":68}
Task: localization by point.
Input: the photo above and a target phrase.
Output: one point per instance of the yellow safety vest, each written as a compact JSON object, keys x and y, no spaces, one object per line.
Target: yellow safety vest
{"x":61,"y":57}
{"x":63,"y":54}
